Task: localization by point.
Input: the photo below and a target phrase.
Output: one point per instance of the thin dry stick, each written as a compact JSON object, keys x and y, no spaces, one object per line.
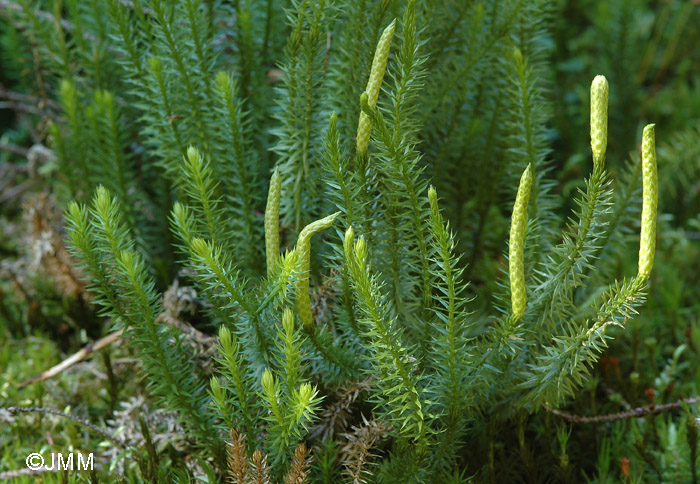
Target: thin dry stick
{"x":25,"y":108}
{"x":13,"y":148}
{"x":634,"y":413}
{"x":187,"y":329}
{"x":16,"y":410}
{"x":13,"y":194}
{"x":27,"y":98}
{"x":7,"y":475}
{"x":75,"y":358}
{"x":205,"y":340}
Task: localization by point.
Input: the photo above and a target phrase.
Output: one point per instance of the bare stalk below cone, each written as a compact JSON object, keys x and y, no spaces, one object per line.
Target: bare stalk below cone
{"x":304,"y":251}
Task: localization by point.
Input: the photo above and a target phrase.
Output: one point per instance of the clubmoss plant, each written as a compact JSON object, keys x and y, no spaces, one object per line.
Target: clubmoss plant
{"x":412,"y":335}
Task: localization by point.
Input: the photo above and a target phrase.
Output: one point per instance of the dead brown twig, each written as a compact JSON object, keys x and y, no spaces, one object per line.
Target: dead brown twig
{"x":50,"y":411}
{"x":74,"y":358}
{"x":14,"y":193}
{"x":10,"y":189}
{"x":187,"y":329}
{"x":14,"y":149}
{"x":192,"y":333}
{"x":25,"y":108}
{"x":634,"y":413}
{"x":7,"y":475}
{"x":18,"y":97}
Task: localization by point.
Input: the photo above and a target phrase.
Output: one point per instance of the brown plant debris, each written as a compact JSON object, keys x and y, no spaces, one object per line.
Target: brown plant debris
{"x":358,"y":451}
{"x":237,"y":459}
{"x":633,"y":413}
{"x":299,"y":471}
{"x":48,"y":254}
{"x":260,"y":469}
{"x":334,"y":418}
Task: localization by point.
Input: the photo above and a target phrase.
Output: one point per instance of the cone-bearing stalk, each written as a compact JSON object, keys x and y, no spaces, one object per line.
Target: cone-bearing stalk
{"x":599,"y":119}
{"x":272,"y":216}
{"x":376,"y":75}
{"x":518,"y":230}
{"x":650,"y":184}
{"x":304,"y":251}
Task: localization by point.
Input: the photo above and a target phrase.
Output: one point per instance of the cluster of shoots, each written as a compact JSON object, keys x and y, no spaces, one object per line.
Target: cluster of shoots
{"x":519,"y":218}
{"x":599,"y":142}
{"x":303,"y":247}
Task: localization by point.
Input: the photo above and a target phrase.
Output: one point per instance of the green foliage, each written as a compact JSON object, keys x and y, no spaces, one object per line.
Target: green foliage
{"x":416,"y":350}
{"x":301,"y":115}
{"x":126,"y":292}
